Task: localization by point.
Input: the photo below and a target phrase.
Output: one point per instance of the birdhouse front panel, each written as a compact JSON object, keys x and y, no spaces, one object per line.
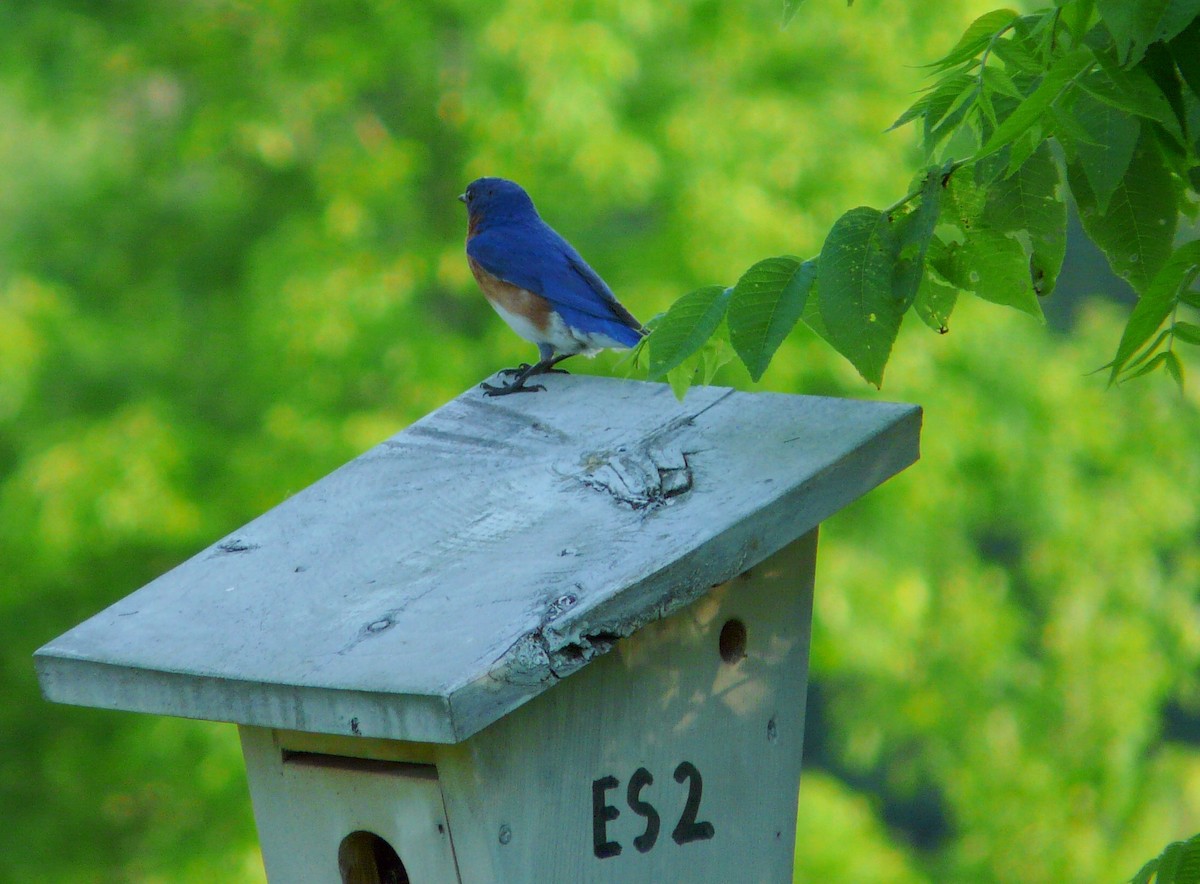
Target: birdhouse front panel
{"x":674,"y":757}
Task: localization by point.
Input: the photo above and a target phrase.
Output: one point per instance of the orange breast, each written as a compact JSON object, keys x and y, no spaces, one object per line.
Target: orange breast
{"x":512,"y":298}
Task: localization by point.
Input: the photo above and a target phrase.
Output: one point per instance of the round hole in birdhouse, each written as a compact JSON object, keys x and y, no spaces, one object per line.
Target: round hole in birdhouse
{"x":365,"y":857}
{"x":732,"y":642}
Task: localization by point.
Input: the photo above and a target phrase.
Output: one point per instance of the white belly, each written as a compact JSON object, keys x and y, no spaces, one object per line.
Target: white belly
{"x":556,"y":334}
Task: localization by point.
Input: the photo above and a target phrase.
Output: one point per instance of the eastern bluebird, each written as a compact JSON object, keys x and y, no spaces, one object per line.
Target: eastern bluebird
{"x":538,"y":283}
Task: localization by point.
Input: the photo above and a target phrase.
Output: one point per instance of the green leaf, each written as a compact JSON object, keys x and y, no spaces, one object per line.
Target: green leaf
{"x":1185,"y":49}
{"x":1029,"y":112}
{"x":916,"y":109}
{"x":1136,"y":229}
{"x":921,"y":105}
{"x":1133,"y":91}
{"x":994,"y":267}
{"x":1188,"y":871}
{"x":999,"y":81}
{"x":984,"y":101}
{"x":1150,"y":366}
{"x":630,"y":361}
{"x":1029,"y":201}
{"x":936,"y":297}
{"x":812,"y":310}
{"x":1112,"y":138}
{"x":1175,"y":370}
{"x":1077,"y":16}
{"x":1168,"y":860}
{"x":1024,"y":147}
{"x":1135,"y":24}
{"x":1069,"y":133}
{"x":963,"y":200}
{"x":790,"y":8}
{"x":1179,"y":863}
{"x":1188,"y":332}
{"x":938,"y":102}
{"x":964,"y":140}
{"x":977,"y":35}
{"x":713,"y":355}
{"x":935,"y":135}
{"x":685,"y":327}
{"x":1159,"y":67}
{"x":1147,"y":351}
{"x":682,"y":376}
{"x":1016,"y":56}
{"x":701,"y":366}
{"x":859,"y":311}
{"x":951,"y":92}
{"x":765,"y":305}
{"x":913,"y":233}
{"x":1156,"y":304}
{"x":1145,"y":873}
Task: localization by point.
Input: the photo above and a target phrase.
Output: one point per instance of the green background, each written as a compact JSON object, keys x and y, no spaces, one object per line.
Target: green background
{"x":231,"y":259}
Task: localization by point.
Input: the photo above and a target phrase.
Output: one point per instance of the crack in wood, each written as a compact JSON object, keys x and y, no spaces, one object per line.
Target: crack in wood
{"x":546,"y":653}
{"x":533,"y":659}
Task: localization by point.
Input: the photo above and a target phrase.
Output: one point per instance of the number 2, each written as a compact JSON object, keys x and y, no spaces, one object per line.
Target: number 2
{"x":688,"y":829}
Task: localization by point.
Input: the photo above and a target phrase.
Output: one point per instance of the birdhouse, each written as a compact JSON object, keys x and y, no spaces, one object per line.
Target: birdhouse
{"x":552,"y":637}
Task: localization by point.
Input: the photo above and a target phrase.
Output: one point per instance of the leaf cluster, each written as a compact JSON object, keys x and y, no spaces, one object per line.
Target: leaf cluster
{"x":1179,"y":863}
{"x":1098,"y":98}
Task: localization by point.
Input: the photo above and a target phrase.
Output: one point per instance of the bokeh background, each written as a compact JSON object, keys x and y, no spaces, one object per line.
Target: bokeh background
{"x":231,"y":259}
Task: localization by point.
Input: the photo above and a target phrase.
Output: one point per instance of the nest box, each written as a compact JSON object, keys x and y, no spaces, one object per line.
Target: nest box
{"x":558,"y":637}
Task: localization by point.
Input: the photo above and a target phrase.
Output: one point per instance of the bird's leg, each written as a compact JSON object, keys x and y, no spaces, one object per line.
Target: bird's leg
{"x":522,"y":374}
{"x":546,"y":366}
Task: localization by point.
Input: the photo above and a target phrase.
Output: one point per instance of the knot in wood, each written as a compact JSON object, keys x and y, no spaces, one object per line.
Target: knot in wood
{"x":639,"y":476}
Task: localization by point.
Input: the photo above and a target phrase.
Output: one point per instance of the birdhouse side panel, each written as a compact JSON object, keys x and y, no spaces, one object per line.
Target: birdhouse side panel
{"x":312,"y":808}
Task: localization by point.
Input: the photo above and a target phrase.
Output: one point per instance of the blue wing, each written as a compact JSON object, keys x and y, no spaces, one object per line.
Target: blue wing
{"x":536,"y":258}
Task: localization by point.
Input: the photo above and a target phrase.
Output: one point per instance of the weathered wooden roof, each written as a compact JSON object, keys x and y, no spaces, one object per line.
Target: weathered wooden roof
{"x":463,"y":566}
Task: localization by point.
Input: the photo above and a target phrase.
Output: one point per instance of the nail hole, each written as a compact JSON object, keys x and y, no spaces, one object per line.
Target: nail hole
{"x":732,"y":643}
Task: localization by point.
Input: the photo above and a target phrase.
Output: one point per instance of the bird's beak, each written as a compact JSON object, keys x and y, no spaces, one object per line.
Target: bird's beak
{"x":462,"y":197}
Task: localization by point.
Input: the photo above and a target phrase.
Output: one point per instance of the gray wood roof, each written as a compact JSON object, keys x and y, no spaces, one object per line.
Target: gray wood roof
{"x":471,"y":561}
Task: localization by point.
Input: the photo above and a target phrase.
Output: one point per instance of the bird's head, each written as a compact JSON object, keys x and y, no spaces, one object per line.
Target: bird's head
{"x":497,"y":199}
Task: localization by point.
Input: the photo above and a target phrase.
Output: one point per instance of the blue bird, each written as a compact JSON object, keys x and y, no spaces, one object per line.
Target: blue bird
{"x":538,"y":283}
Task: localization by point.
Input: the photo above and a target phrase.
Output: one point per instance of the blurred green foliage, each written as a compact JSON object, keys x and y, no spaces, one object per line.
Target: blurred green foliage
{"x":231,"y":259}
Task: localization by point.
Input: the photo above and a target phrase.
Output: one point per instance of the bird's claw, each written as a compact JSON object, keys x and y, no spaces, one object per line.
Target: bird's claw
{"x":521,"y":374}
{"x":493,"y":390}
{"x":524,"y":366}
